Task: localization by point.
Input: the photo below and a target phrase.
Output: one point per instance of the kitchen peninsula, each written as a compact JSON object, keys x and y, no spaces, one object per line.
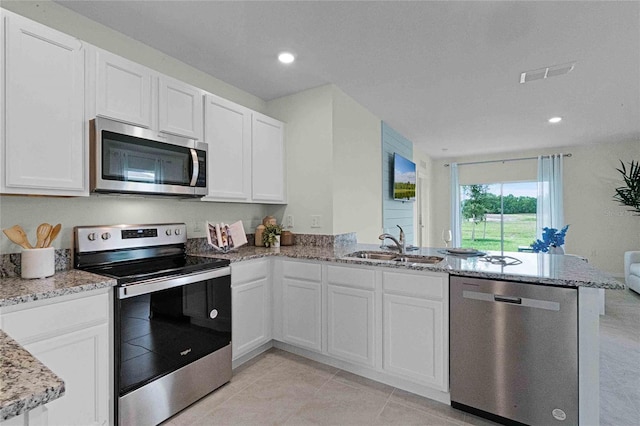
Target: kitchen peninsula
{"x":333,"y":273}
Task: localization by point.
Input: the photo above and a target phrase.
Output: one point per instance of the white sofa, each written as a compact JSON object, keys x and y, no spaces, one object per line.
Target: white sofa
{"x":632,"y":270}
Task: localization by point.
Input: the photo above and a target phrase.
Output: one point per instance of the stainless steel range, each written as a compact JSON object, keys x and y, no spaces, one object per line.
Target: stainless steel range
{"x":172,"y":317}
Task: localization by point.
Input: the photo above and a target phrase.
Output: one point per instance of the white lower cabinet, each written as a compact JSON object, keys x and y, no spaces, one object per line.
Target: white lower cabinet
{"x":70,"y":335}
{"x":383,"y":323}
{"x":302,"y":304}
{"x":250,"y":305}
{"x":415,"y":327}
{"x":351,"y":314}
{"x":80,"y":359}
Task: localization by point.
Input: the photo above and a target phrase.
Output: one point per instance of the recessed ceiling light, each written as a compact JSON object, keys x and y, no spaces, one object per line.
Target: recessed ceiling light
{"x":286,"y":57}
{"x":554,"y":120}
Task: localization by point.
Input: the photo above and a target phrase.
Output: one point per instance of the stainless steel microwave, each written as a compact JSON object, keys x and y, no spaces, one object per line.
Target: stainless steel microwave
{"x":132,"y":160}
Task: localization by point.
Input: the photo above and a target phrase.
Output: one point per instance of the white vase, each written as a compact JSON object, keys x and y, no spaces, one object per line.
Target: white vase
{"x":556,"y":250}
{"x":276,"y":243}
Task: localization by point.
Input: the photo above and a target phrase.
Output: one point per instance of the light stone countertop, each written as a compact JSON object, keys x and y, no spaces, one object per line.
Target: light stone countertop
{"x":536,"y":268}
{"x":25,"y":383}
{"x":15,"y":290}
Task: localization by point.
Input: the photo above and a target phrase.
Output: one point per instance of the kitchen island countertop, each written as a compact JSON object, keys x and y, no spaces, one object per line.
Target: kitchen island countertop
{"x":536,"y":268}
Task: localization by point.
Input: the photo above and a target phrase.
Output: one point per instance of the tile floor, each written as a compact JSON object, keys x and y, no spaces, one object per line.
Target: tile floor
{"x":279,"y":388}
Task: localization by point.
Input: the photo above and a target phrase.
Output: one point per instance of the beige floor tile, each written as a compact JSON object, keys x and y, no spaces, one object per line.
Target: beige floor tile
{"x":363,"y":383}
{"x":425,"y":404}
{"x":339,"y":404}
{"x":299,"y":365}
{"x":397,"y":414}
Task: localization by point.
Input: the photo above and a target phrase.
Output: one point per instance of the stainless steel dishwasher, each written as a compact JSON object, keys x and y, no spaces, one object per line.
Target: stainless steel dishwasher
{"x":514,"y":351}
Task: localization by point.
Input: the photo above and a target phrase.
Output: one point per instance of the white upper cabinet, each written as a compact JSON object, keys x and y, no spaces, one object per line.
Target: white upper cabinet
{"x":43,"y":138}
{"x":246,"y":153}
{"x":228,"y":134}
{"x":134,"y":94}
{"x":267,"y":159}
{"x":179,"y":108}
{"x":124,"y":90}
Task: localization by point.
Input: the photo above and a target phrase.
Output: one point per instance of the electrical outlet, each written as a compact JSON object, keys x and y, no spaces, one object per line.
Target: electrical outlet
{"x":198,"y":226}
{"x":315,"y":221}
{"x":289,"y":223}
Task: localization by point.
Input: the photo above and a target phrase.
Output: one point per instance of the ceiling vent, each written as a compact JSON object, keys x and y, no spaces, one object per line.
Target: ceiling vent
{"x":543,"y":73}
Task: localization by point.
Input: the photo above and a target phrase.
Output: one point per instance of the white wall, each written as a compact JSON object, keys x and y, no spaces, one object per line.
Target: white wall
{"x":69,"y":22}
{"x":29,"y":212}
{"x":333,"y":163}
{"x":425,"y":201}
{"x":357,"y":172}
{"x":308,"y":143}
{"x":600,"y":230}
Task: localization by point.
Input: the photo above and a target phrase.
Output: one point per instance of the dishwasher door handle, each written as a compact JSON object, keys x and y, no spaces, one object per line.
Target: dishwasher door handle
{"x":516,"y":301}
{"x":507,"y":299}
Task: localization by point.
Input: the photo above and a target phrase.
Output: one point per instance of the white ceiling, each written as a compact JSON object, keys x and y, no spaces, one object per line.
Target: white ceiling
{"x":444,"y":74}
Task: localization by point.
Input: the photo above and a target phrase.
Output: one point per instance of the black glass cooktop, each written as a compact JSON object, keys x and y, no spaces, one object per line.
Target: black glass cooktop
{"x":135,"y":271}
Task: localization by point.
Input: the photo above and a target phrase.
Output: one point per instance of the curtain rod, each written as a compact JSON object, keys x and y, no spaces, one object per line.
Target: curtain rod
{"x":504,"y":161}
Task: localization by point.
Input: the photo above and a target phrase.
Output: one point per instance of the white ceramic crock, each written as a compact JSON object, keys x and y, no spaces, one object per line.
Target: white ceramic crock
{"x":38,"y":263}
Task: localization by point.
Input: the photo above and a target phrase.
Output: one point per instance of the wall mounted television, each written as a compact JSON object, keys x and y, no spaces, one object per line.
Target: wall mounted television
{"x":404,"y":178}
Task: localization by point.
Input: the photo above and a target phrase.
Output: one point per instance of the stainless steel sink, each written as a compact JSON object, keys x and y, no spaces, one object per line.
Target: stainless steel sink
{"x":419,"y":259}
{"x":394,"y":257}
{"x":373,"y":255}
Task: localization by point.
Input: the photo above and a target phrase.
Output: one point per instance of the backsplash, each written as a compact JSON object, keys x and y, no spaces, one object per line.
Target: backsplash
{"x":199,"y":245}
{"x":10,"y":263}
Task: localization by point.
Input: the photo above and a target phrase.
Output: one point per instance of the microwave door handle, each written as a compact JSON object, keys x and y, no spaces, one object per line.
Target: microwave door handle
{"x":196,"y":167}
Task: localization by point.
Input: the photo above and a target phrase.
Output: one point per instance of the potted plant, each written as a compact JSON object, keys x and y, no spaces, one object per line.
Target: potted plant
{"x":552,"y":241}
{"x":629,"y":195}
{"x":271,"y":235}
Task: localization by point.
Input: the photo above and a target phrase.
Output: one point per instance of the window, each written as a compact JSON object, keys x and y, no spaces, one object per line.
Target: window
{"x":498,"y":216}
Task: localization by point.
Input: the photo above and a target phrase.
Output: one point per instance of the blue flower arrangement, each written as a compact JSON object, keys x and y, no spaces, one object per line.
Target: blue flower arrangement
{"x":550,"y":237}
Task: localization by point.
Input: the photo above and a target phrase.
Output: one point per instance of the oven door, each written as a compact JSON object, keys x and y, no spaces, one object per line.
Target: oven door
{"x":164,"y":325}
{"x":130,"y":159}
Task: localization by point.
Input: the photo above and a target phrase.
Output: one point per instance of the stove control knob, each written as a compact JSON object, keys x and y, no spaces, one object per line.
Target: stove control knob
{"x":177,"y":231}
{"x":168,"y":232}
{"x":105,"y":236}
{"x":91,"y":236}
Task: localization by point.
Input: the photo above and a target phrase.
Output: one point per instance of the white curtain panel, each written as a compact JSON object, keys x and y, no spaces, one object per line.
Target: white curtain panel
{"x":550,"y":210}
{"x":456,"y":232}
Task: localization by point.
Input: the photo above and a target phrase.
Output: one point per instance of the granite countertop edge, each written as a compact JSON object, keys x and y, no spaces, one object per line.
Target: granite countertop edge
{"x":25,"y":383}
{"x":16,"y":290}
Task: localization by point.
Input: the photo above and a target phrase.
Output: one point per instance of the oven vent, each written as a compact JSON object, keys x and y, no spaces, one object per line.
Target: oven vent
{"x":547,"y":72}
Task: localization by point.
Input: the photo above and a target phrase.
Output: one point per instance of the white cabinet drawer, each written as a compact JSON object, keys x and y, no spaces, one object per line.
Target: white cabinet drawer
{"x":304,"y":271}
{"x":33,"y":322}
{"x":351,"y":277}
{"x":432,"y":286}
{"x":244,"y":272}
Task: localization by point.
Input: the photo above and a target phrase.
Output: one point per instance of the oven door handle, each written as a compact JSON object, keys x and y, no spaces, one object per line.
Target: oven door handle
{"x":158,"y":284}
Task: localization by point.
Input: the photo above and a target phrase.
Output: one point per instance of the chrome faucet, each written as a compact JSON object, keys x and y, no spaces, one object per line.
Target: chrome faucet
{"x":399,"y":244}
